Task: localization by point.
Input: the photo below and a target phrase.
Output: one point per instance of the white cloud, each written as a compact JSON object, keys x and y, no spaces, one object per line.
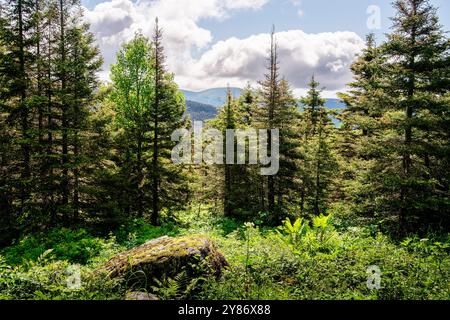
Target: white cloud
{"x":327,"y":55}
{"x":234,"y":61}
{"x":116,"y":21}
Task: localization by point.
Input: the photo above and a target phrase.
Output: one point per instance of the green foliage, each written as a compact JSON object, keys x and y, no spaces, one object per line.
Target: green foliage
{"x":294,"y":231}
{"x":75,"y":246}
{"x":70,"y":158}
{"x":139,"y":231}
{"x":321,"y":222}
{"x":47,"y":279}
{"x":148,"y":109}
{"x":395,"y":134}
{"x":181,"y":287}
{"x":293,"y":261}
{"x":332,"y":269}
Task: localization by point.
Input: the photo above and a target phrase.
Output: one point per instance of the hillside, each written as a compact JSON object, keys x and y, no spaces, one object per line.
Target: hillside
{"x":200,"y":111}
{"x":215,"y":96}
{"x":203,"y":105}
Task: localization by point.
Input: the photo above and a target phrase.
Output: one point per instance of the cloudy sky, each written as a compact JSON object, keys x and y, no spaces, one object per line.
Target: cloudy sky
{"x":212,"y":43}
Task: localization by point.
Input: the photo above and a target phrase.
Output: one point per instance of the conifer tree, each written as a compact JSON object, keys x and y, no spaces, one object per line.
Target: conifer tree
{"x":415,"y":142}
{"x":318,"y":163}
{"x":16,"y":60}
{"x":361,"y":128}
{"x":269,"y":96}
{"x":238,"y":191}
{"x":279,"y":110}
{"x":230,"y":124}
{"x":167,"y":109}
{"x":84,"y":62}
{"x":287,"y":120}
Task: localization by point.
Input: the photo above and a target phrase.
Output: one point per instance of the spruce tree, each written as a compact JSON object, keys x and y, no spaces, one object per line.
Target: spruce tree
{"x":269,"y":97}
{"x":279,"y":110}
{"x":16,"y":60}
{"x":84,"y":62}
{"x":414,"y":181}
{"x":287,"y":120}
{"x":166,"y":115}
{"x":318,"y":161}
{"x":230,"y":124}
{"x":361,"y":128}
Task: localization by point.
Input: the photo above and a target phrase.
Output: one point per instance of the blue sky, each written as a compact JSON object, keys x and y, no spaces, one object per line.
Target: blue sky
{"x":215,"y":42}
{"x":318,"y":16}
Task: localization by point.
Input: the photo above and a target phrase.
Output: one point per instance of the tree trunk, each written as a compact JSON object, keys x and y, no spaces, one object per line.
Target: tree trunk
{"x":25,"y":145}
{"x":64,"y":119}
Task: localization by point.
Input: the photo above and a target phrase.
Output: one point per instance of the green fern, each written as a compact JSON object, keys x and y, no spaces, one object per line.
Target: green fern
{"x":178,"y":288}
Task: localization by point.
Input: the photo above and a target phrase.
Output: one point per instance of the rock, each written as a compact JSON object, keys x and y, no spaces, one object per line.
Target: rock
{"x":142,"y":296}
{"x":167,"y":257}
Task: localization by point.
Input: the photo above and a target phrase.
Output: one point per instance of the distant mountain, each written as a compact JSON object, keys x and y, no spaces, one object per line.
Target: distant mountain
{"x":203,"y":105}
{"x":200,"y":111}
{"x":215,"y":97}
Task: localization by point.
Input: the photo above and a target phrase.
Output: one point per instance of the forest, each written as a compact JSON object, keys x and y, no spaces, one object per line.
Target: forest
{"x":93,"y":207}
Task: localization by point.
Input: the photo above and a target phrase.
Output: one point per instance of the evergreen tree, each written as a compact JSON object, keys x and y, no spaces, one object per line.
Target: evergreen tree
{"x":412,"y":174}
{"x":83,"y":64}
{"x":16,"y":60}
{"x":249,"y":182}
{"x":269,"y":96}
{"x":167,"y":109}
{"x":318,"y":164}
{"x":230,"y":124}
{"x":227,"y":119}
{"x":279,"y":110}
{"x":361,"y":128}
{"x":233,"y":184}
{"x":287,"y":120}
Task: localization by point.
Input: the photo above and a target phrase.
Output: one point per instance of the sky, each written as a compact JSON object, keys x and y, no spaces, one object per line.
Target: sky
{"x":215,"y":43}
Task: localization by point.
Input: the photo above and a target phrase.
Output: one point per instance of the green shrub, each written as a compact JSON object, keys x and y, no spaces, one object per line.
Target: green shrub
{"x":294,"y":261}
{"x":75,"y":246}
{"x":46,"y":279}
{"x":325,"y":264}
{"x":138,"y":231}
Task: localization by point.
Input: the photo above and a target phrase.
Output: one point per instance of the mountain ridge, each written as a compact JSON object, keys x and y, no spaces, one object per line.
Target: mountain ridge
{"x":203,"y":105}
{"x":213,"y":96}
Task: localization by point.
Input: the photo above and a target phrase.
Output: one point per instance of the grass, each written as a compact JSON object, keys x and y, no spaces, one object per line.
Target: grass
{"x":302,"y":260}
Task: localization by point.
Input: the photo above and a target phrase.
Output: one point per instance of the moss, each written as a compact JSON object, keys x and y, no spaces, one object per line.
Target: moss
{"x":167,"y":256}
